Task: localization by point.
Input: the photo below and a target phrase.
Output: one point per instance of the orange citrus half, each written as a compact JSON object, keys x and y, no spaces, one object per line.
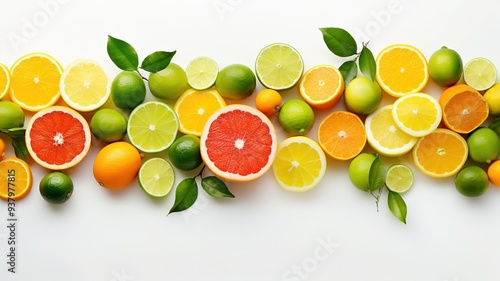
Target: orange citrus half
{"x":15,"y":179}
{"x":322,"y":86}
{"x":4,"y":80}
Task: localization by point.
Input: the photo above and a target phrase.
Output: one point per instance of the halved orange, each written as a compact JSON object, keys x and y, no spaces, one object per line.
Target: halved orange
{"x":34,"y":81}
{"x":342,"y":135}
{"x":401,"y":69}
{"x":58,"y":137}
{"x":238,"y":143}
{"x":4,"y":80}
{"x":441,"y":153}
{"x":322,"y":86}
{"x":15,"y":179}
{"x":464,"y":108}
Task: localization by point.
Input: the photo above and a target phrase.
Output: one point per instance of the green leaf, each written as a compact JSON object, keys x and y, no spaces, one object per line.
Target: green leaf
{"x":339,"y":41}
{"x":397,"y":206}
{"x":367,"y":63}
{"x":157,"y":61}
{"x":377,"y":175}
{"x":18,"y":142}
{"x":215,"y":187}
{"x":186,"y":194}
{"x":122,"y":54}
{"x":349,"y":71}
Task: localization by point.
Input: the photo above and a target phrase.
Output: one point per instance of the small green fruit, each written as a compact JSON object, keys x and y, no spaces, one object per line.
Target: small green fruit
{"x":484,"y":145}
{"x":359,"y":170}
{"x":445,"y":67}
{"x":362,"y":95}
{"x":11,"y":115}
{"x":296,"y":117}
{"x":128,"y":90}
{"x":184,"y":153}
{"x":472,"y":181}
{"x":168,"y":83}
{"x":236,"y":81}
{"x":108,"y":125}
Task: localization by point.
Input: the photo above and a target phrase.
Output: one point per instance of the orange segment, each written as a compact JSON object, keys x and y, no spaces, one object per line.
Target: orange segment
{"x":193,"y":108}
{"x":342,"y":135}
{"x":35,"y":81}
{"x":4,"y":80}
{"x":464,"y":108}
{"x":15,"y":179}
{"x":401,"y":69}
{"x":441,"y":153}
{"x":322,"y":86}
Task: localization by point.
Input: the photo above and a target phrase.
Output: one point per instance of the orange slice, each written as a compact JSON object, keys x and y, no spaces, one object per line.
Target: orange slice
{"x":4,"y":80}
{"x":15,"y":179}
{"x":34,"y":81}
{"x":342,"y":135}
{"x":464,"y":108}
{"x":401,"y":69}
{"x":441,"y":153}
{"x":322,"y":86}
{"x":58,"y":137}
{"x":238,"y":143}
{"x":193,"y":108}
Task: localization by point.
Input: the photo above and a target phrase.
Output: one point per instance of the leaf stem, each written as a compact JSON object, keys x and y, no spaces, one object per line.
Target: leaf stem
{"x":144,"y":78}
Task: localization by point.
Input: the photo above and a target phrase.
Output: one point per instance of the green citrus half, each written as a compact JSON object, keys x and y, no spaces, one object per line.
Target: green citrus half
{"x":201,"y":73}
{"x":279,"y":66}
{"x":399,"y":178}
{"x":156,"y":177}
{"x":480,"y":74}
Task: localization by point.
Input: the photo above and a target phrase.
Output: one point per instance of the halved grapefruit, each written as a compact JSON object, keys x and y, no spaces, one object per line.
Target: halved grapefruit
{"x":58,"y":137}
{"x":238,"y":143}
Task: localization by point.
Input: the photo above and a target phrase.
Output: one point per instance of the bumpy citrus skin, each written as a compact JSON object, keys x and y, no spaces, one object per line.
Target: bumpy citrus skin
{"x":11,"y":115}
{"x":108,"y":125}
{"x":484,"y":145}
{"x":236,"y":81}
{"x":168,"y":83}
{"x":128,"y":90}
{"x":472,"y":181}
{"x":494,"y":173}
{"x":185,"y":154}
{"x":296,"y":117}
{"x":445,"y":67}
{"x":2,"y":149}
{"x":268,"y":101}
{"x":359,"y":170}
{"x":56,"y":187}
{"x":362,"y":96}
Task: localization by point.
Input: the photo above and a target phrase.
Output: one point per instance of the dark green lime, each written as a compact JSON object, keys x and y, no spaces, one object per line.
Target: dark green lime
{"x":108,"y":125}
{"x":184,"y":153}
{"x":128,"y":90}
{"x":472,"y":181}
{"x":56,"y":187}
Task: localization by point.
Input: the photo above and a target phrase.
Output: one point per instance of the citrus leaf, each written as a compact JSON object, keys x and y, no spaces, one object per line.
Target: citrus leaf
{"x":186,"y":194}
{"x":215,"y":187}
{"x":18,"y":142}
{"x":339,"y":41}
{"x":495,"y":126}
{"x":377,"y":175}
{"x":397,"y":206}
{"x":157,"y":61}
{"x":367,"y":63}
{"x":122,"y":54}
{"x":349,"y":71}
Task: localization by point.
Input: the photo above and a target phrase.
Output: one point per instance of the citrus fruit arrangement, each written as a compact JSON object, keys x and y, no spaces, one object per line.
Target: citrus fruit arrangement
{"x":203,"y":118}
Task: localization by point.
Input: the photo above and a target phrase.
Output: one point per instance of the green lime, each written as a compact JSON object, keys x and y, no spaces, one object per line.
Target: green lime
{"x":156,"y":177}
{"x":56,"y":187}
{"x":168,"y":83}
{"x":11,"y":115}
{"x":472,"y":181}
{"x":108,"y":125}
{"x":492,"y":97}
{"x":445,"y":67}
{"x":480,"y":74}
{"x":296,"y":117}
{"x":359,"y":170}
{"x":399,"y":178}
{"x":235,"y":81}
{"x":362,"y":95}
{"x":128,"y":90}
{"x":152,"y":126}
{"x":185,"y":154}
{"x":484,"y":145}
{"x":201,"y":73}
{"x":279,"y":66}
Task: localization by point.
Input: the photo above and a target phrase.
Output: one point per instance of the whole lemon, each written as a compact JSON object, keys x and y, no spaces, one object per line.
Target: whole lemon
{"x":492,"y":97}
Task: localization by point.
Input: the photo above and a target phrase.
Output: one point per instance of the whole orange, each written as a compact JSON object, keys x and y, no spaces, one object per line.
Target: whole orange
{"x":494,"y":173}
{"x":117,"y":165}
{"x":268,"y":101}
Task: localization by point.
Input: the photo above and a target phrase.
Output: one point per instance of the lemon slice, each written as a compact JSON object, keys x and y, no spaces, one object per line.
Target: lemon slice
{"x":156,"y":177}
{"x":279,"y":66}
{"x":480,"y":74}
{"x":417,"y":114}
{"x":399,"y":178}
{"x":201,"y":73}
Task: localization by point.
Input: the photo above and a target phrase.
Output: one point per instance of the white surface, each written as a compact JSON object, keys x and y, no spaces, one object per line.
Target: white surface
{"x":265,"y":233}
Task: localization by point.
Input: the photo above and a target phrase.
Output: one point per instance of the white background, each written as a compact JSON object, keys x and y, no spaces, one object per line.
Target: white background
{"x":265,"y":233}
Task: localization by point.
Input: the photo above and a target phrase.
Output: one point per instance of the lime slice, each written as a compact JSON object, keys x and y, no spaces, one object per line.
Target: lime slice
{"x":152,"y":126}
{"x":279,"y":66}
{"x":399,"y":178}
{"x":156,"y":177}
{"x":480,"y":74}
{"x":201,"y":73}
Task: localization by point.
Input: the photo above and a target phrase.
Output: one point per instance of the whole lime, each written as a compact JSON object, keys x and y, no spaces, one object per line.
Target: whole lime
{"x":108,"y":125}
{"x":296,"y":117}
{"x":492,"y":97}
{"x":128,"y":90}
{"x":168,"y":83}
{"x":235,"y":81}
{"x":11,"y":115}
{"x":56,"y":187}
{"x":484,"y":145}
{"x":472,"y":181}
{"x":359,"y":170}
{"x":362,"y":95}
{"x":445,"y":67}
{"x":184,"y":153}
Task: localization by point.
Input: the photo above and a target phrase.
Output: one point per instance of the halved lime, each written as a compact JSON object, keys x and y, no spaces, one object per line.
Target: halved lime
{"x":279,"y":66}
{"x":399,"y":178}
{"x":152,"y":126}
{"x":201,"y":73}
{"x":480,"y":74}
{"x":156,"y":177}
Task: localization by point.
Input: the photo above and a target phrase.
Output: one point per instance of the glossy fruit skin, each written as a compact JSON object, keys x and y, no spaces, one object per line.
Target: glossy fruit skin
{"x":445,"y":67}
{"x":2,"y":149}
{"x":492,"y":97}
{"x":484,"y":145}
{"x":472,"y":181}
{"x":494,"y":173}
{"x":56,"y":187}
{"x":268,"y":101}
{"x":108,"y":125}
{"x":362,"y":95}
{"x":128,"y":90}
{"x":11,"y":115}
{"x":168,"y":83}
{"x":359,"y":170}
{"x":236,"y":81}
{"x":296,"y":117}
{"x":184,"y":153}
